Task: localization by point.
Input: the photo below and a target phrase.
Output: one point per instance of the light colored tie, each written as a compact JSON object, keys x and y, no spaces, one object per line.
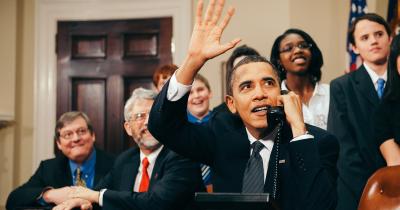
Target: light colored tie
{"x":381,"y":87}
{"x":78,"y":180}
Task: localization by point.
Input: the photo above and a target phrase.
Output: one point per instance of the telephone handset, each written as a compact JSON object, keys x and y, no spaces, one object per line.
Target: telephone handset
{"x":276,"y":114}
{"x":276,"y":117}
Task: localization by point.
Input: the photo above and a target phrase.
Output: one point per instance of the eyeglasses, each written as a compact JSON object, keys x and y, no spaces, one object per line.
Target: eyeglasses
{"x":68,"y":135}
{"x":301,"y":46}
{"x":139,"y":117}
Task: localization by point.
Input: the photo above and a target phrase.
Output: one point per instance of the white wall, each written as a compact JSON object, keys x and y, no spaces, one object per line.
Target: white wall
{"x":259,"y":22}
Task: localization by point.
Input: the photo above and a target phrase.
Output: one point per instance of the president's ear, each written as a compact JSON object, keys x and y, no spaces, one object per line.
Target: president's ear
{"x":230,"y":103}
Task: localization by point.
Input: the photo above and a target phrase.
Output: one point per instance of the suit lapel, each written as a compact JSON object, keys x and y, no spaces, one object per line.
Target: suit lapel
{"x":155,"y":175}
{"x":100,"y":170}
{"x":129,"y":172}
{"x":364,"y":84}
{"x":64,"y":172}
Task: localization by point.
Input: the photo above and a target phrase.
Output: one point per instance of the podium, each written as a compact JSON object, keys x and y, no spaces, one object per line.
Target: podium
{"x":234,"y":201}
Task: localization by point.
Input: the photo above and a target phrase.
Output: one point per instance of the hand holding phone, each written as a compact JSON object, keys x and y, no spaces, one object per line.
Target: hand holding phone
{"x":293,"y":112}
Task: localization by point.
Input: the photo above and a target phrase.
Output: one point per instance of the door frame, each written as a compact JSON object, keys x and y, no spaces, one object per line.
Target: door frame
{"x":48,"y":12}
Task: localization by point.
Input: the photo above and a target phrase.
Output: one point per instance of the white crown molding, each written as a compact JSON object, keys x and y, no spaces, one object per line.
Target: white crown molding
{"x":48,"y":12}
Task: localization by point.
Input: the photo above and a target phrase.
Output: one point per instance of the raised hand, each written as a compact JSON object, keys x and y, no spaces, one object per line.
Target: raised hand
{"x":205,"y":41}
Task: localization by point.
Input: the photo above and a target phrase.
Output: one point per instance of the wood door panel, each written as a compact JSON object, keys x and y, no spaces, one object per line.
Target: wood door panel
{"x":99,"y":63}
{"x":88,"y":96}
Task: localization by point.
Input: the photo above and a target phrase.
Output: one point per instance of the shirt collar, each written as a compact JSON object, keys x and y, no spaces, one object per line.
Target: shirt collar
{"x":193,"y":119}
{"x":374,"y":76}
{"x":318,"y":90}
{"x":152,"y":156}
{"x":87,"y":167}
{"x":268,"y":140}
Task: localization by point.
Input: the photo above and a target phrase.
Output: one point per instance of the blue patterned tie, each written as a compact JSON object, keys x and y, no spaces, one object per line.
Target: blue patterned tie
{"x":253,"y":179}
{"x":381,"y":86}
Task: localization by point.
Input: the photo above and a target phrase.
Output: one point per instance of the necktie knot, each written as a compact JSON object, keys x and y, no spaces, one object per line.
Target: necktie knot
{"x":145,"y":163}
{"x":257,"y":146}
{"x":381,"y":85}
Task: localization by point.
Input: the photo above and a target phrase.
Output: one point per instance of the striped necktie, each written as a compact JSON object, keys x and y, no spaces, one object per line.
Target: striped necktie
{"x":253,"y":179}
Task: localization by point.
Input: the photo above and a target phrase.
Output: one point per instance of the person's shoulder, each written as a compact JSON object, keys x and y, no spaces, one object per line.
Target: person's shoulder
{"x":127,"y":154}
{"x":341,"y":79}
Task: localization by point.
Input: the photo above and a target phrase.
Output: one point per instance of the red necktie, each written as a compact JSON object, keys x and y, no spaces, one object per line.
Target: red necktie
{"x":144,"y":183}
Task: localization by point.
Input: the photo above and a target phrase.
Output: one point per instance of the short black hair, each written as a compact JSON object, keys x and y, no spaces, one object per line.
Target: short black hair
{"x":393,"y":83}
{"x":314,"y":70}
{"x":373,"y":17}
{"x":246,"y":60}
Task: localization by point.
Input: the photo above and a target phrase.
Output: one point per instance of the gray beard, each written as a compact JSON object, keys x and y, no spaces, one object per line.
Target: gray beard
{"x":149,"y":144}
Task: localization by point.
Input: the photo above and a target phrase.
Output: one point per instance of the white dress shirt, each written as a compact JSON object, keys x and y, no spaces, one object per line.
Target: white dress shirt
{"x":374,"y":76}
{"x":316,"y":112}
{"x":152,"y":157}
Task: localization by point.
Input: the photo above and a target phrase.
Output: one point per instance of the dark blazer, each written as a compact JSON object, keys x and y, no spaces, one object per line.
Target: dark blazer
{"x":172,"y":184}
{"x":353,"y":102}
{"x":54,"y":173}
{"x":306,"y":178}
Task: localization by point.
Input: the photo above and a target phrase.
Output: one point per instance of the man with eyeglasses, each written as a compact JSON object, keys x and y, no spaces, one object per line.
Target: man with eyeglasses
{"x":149,"y":176}
{"x":78,"y":164}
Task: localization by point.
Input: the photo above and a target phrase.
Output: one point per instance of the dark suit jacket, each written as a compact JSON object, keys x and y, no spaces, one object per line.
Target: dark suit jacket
{"x":172,"y":184}
{"x":352,"y":104}
{"x":306,"y":178}
{"x":54,"y":173}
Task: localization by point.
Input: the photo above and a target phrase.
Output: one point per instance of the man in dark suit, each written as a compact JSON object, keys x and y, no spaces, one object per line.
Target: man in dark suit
{"x":148,"y":177}
{"x":75,"y":137}
{"x":354,"y":98}
{"x":247,"y":153}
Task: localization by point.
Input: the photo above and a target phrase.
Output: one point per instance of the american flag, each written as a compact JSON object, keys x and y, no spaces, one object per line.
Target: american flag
{"x":357,"y":9}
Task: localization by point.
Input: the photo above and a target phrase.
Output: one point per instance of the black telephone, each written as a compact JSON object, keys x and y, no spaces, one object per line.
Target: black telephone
{"x":276,"y":117}
{"x":276,"y":114}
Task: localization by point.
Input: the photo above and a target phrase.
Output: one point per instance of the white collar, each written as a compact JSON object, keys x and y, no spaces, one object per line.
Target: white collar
{"x":374,"y":76}
{"x":152,"y":156}
{"x":268,"y":140}
{"x":318,"y":90}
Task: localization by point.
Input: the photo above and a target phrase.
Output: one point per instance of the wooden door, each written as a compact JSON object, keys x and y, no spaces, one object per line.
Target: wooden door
{"x":99,"y":63}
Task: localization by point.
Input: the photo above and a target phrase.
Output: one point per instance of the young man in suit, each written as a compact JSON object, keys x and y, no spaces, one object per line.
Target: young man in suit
{"x":247,"y":153}
{"x":354,"y":98}
{"x":148,"y":177}
{"x":80,"y":163}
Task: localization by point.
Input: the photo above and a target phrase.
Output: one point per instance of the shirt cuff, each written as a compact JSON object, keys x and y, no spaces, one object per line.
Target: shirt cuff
{"x":176,"y":90}
{"x":102,"y":191}
{"x":302,"y":137}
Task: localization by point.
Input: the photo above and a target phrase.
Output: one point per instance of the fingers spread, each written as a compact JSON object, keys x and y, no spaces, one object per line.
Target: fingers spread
{"x":227,"y":18}
{"x":218,"y":11}
{"x":199,"y":12}
{"x":209,"y":12}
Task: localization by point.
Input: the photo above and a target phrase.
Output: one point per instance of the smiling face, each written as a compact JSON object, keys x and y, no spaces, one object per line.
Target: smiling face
{"x":371,"y":42}
{"x":255,"y":86}
{"x":295,"y":55}
{"x":136,"y":127}
{"x":76,"y":141}
{"x":199,"y":99}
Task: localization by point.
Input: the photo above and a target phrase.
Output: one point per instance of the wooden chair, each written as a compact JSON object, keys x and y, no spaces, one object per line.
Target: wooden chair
{"x":382,"y":190}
